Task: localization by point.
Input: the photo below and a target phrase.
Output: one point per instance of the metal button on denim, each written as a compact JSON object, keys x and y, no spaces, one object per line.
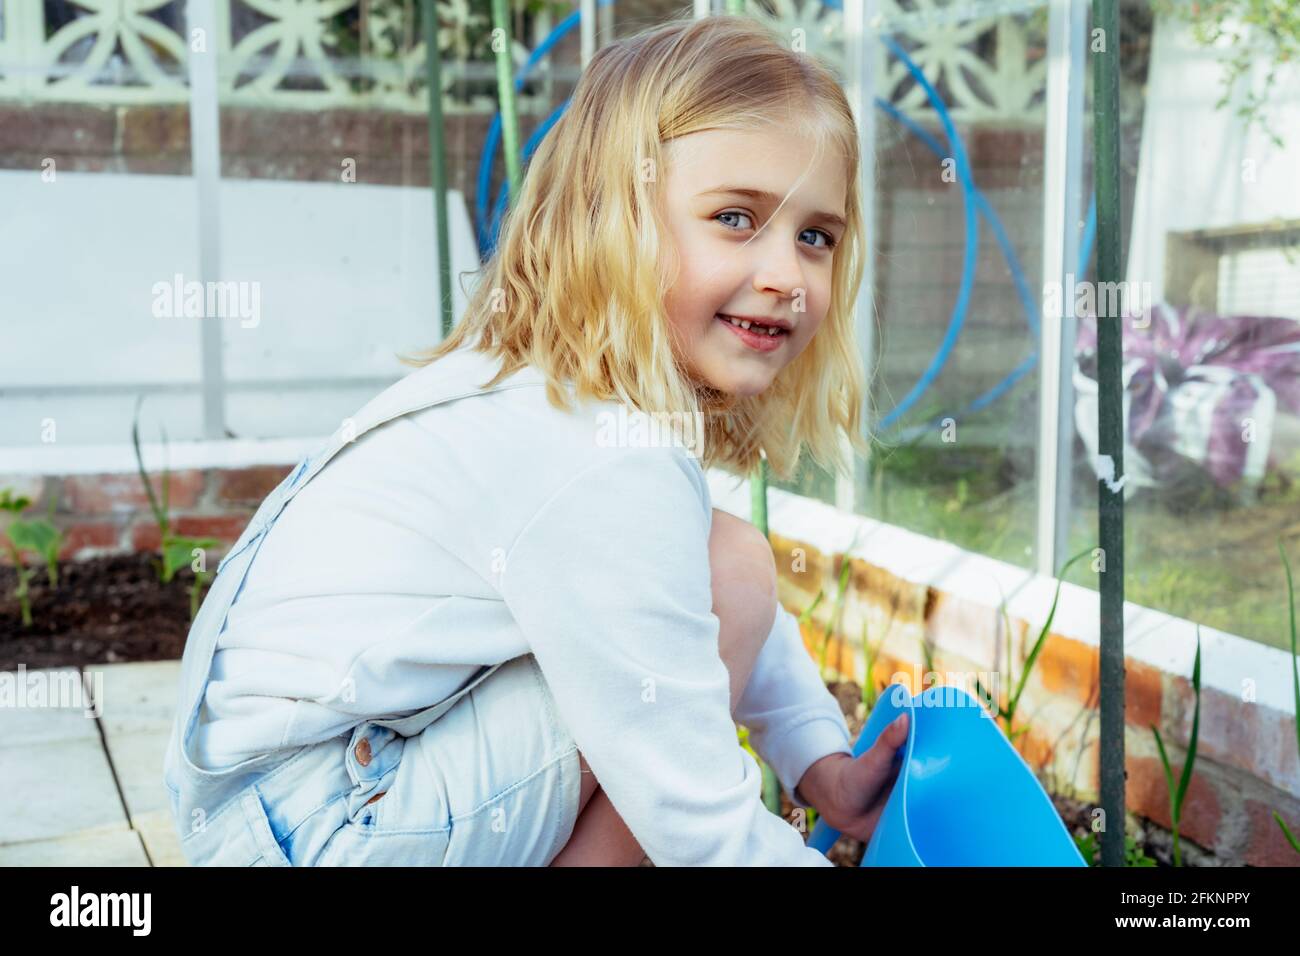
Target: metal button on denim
{"x":363,"y":752}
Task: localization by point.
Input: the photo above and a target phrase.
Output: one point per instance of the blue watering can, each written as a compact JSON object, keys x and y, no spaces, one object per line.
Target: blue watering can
{"x":963,"y":796}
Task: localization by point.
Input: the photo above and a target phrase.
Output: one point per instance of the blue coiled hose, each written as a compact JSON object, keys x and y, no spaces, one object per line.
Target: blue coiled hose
{"x":974,"y":204}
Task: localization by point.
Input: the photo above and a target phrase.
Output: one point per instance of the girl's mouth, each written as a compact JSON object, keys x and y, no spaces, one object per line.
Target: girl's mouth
{"x":756,"y":337}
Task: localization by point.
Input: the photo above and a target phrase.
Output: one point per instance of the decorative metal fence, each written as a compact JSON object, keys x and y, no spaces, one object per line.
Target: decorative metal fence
{"x":987,"y":57}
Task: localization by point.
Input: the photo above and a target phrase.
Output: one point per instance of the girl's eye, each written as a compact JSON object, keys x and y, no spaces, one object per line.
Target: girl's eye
{"x":743,"y":215}
{"x":830,"y":240}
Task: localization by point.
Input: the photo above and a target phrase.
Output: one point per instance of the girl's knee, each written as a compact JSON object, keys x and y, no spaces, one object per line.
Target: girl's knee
{"x":743,"y":568}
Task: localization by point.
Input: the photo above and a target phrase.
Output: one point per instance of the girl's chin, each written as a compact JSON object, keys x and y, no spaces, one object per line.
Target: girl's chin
{"x":734,"y":389}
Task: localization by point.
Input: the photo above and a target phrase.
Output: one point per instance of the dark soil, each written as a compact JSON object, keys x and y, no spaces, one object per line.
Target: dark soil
{"x":106,"y":610}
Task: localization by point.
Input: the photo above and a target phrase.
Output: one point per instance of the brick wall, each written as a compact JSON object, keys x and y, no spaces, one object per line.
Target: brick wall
{"x":1247,"y":764}
{"x":109,"y":513}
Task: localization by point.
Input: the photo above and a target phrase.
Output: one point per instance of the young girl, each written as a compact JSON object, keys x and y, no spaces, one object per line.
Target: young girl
{"x":498,"y":629}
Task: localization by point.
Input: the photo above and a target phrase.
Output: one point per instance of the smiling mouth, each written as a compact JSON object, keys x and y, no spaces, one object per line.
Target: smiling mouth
{"x":756,"y":327}
{"x":760,"y":338}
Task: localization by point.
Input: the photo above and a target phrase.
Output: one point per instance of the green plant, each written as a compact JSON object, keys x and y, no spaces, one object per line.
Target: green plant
{"x":1090,"y":850}
{"x":877,"y":461}
{"x":1176,"y":795}
{"x":177,"y":550}
{"x":33,"y":535}
{"x":1295,"y":685}
{"x":771,"y":783}
{"x":389,"y":30}
{"x":869,"y":655}
{"x":837,"y":611}
{"x":1256,"y":31}
{"x":1007,"y":712}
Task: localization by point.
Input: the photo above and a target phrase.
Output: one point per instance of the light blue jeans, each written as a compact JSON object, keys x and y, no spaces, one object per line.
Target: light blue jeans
{"x":492,"y":782}
{"x":489,"y":776}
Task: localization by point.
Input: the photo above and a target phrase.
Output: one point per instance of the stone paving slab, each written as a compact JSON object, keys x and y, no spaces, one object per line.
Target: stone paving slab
{"x":81,"y":755}
{"x":120,"y":847}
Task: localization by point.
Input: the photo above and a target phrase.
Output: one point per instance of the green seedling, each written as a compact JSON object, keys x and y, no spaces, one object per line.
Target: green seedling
{"x":868,"y":665}
{"x":806,"y":614}
{"x":1295,"y":686}
{"x":1176,"y":795}
{"x":1090,"y":850}
{"x":870,"y":653}
{"x":1007,"y":712}
{"x":837,"y":611}
{"x":36,"y":536}
{"x":771,"y":783}
{"x":177,"y":550}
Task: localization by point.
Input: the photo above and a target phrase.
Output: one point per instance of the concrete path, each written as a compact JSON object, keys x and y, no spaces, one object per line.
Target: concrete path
{"x":81,"y":760}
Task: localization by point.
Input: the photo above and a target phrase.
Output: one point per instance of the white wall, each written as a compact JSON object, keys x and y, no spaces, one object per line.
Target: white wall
{"x":347,"y":275}
{"x":1196,"y":161}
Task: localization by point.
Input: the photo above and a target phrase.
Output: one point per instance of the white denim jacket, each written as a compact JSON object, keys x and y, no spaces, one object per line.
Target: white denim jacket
{"x":476,"y":529}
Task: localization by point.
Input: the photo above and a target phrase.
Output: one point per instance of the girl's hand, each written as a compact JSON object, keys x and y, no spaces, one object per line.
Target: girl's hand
{"x":850,"y":792}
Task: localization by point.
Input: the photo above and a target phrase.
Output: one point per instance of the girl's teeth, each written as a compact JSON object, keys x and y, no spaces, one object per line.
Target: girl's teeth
{"x":745,"y":324}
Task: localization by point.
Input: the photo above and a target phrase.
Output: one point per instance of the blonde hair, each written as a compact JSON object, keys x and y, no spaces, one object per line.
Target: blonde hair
{"x":575,"y":286}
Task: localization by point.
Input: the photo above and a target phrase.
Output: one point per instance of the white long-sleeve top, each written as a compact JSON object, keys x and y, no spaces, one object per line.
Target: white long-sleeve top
{"x":494,"y":525}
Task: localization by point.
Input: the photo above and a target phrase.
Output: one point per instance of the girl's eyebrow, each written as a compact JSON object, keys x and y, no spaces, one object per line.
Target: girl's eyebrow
{"x":762,"y":195}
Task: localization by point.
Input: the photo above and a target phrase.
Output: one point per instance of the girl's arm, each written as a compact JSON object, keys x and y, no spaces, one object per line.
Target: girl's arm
{"x":610,"y":584}
{"x":793,"y":719}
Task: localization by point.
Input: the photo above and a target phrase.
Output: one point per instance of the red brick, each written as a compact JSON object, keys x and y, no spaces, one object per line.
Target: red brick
{"x":156,"y":130}
{"x":56,"y":130}
{"x":124,"y":492}
{"x":145,"y":536}
{"x":86,"y":536}
{"x":1147,"y":794}
{"x":227,"y":527}
{"x":1266,"y":844}
{"x":1143,"y":694}
{"x":1067,"y":667}
{"x":1235,"y":733}
{"x":250,"y":485}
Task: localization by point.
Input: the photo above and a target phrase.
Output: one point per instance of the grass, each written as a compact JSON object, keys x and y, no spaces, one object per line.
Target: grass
{"x":1192,"y":552}
{"x":1295,"y":684}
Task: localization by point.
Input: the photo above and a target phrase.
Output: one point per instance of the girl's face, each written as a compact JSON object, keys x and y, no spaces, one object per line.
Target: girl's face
{"x":740,"y":257}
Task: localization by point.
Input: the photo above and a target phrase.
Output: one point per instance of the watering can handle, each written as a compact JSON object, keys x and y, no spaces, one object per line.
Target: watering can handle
{"x":894,"y":701}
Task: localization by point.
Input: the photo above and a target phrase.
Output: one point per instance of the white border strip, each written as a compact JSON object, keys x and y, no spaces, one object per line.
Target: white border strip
{"x":1151,"y":637}
{"x":72,"y":459}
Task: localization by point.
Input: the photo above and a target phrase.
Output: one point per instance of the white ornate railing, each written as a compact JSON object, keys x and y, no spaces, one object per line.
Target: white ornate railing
{"x":289,"y":53}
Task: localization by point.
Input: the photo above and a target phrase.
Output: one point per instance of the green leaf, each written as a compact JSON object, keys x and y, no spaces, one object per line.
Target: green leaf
{"x":806,"y":615}
{"x":1196,"y":723}
{"x":159,"y":514}
{"x":15,"y":504}
{"x":1286,"y":831}
{"x":37,"y":537}
{"x":1042,"y":635}
{"x":178,"y":552}
{"x":1169,"y":774}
